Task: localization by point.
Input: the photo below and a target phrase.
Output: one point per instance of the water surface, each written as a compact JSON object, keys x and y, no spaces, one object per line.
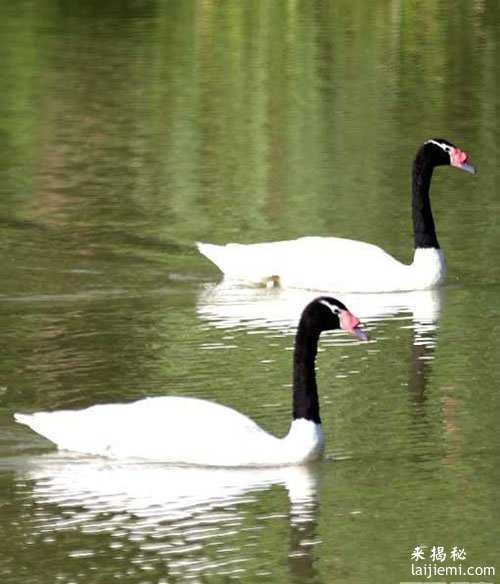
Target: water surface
{"x":131,"y":130}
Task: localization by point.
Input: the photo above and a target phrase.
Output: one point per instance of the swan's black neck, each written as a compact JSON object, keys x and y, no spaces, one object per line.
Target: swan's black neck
{"x":305,"y":391}
{"x":424,"y":230}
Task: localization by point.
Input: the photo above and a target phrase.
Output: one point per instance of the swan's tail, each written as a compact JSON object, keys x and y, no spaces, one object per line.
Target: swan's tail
{"x":247,"y":263}
{"x":24,"y":419}
{"x":215,"y":253}
{"x":51,"y":425}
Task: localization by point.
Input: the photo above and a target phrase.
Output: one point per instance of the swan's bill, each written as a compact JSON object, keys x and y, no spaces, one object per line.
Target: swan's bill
{"x":352,"y":324}
{"x":468,"y":168}
{"x":458,"y":159}
{"x":360,"y":333}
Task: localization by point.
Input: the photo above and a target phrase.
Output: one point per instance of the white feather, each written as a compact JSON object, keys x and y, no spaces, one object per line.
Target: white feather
{"x":327,"y":263}
{"x":176,"y":430}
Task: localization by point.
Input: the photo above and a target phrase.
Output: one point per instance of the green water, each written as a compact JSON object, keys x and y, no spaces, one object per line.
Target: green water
{"x":130,"y":130}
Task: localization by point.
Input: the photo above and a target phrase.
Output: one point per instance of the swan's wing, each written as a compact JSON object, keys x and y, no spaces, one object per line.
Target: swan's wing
{"x":342,"y":265}
{"x":170,"y":429}
{"x":320,"y":263}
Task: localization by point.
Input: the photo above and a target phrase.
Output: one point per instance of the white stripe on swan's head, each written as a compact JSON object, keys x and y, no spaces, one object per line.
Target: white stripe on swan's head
{"x":445,"y":146}
{"x":333,"y":304}
{"x":334,"y":309}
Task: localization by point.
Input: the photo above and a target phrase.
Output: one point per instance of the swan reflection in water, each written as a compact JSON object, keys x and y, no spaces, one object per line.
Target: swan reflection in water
{"x":186,"y":520}
{"x":227,"y":305}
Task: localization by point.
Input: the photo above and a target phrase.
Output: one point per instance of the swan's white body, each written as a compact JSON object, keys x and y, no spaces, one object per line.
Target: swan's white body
{"x":176,"y":430}
{"x":327,"y":263}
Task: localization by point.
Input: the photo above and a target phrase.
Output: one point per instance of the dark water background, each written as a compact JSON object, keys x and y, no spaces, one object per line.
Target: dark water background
{"x":129,"y":130}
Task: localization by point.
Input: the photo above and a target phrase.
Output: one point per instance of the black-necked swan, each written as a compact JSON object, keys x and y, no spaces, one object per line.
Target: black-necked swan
{"x":192,"y":431}
{"x":345,"y":265}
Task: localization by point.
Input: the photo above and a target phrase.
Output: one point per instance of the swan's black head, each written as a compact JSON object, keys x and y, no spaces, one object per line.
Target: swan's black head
{"x":440,"y":152}
{"x":326,"y":313}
